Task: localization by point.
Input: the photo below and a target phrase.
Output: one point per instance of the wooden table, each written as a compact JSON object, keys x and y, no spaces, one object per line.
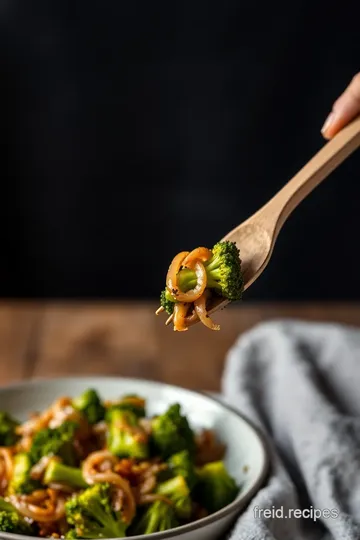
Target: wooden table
{"x":128,"y":340}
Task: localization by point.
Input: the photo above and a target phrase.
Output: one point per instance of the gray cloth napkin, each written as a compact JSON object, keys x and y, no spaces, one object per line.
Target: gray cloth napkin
{"x":300,"y":383}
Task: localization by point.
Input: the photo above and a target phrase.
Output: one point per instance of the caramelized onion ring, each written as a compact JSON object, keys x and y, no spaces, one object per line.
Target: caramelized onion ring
{"x":92,"y":476}
{"x":196,"y":292}
{"x":200,"y":308}
{"x":129,"y":509}
{"x":180,"y":311}
{"x":44,"y":515}
{"x":198,"y":254}
{"x":92,"y":463}
{"x":171,"y":278}
{"x":37,"y":496}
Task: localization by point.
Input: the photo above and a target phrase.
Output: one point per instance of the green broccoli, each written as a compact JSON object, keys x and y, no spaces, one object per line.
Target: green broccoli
{"x":55,"y":442}
{"x":21,"y":482}
{"x":181,"y":464}
{"x":167,"y":301}
{"x":12,"y":522}
{"x":177,"y":491}
{"x":132,"y":403}
{"x":90,"y":514}
{"x":171,"y":433}
{"x":58,"y":473}
{"x":215,"y":488}
{"x":126,"y":438}
{"x":71,"y":534}
{"x":159,"y":516}
{"x":90,"y":405}
{"x":223,"y":273}
{"x":8,"y":426}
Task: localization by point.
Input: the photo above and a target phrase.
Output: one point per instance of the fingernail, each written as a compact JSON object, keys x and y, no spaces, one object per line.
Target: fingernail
{"x":328,"y":122}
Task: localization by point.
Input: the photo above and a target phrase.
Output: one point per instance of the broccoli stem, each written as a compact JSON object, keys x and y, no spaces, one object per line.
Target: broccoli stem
{"x":58,"y":473}
{"x":173,"y":486}
{"x":158,"y":517}
{"x":178,"y":492}
{"x":186,"y":281}
{"x":21,"y":482}
{"x":6,"y":506}
{"x":126,"y":438}
{"x":187,"y":278}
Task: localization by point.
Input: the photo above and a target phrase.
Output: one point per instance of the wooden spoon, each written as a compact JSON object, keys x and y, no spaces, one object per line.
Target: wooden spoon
{"x":256,"y":236}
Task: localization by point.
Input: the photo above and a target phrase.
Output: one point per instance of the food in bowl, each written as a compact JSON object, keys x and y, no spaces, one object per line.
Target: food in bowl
{"x":88,"y":468}
{"x":195,"y":278}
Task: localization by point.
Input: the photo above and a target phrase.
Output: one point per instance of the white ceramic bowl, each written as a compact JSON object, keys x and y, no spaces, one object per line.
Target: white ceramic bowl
{"x":246,"y":457}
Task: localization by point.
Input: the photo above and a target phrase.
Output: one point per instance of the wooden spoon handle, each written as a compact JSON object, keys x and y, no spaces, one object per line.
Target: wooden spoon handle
{"x":279,"y":208}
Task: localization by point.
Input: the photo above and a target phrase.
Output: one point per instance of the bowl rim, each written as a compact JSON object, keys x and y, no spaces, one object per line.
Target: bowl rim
{"x":237,"y":504}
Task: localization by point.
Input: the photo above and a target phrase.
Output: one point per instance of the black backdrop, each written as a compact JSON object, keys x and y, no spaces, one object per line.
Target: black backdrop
{"x":132,"y":130}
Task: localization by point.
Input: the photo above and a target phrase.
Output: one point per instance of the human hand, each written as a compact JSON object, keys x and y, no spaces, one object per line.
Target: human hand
{"x":345,"y":109}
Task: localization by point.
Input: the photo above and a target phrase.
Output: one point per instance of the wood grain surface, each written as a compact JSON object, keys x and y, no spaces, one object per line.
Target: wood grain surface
{"x":47,"y":340}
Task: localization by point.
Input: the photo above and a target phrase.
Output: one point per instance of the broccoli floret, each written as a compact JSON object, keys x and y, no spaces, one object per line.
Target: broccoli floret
{"x":90,"y":514}
{"x":90,"y":405}
{"x":178,"y":493}
{"x":159,"y":516}
{"x":71,"y":533}
{"x":215,"y":488}
{"x":167,"y":301}
{"x":126,"y":438}
{"x":8,"y":425}
{"x":181,"y":464}
{"x":132,"y":403}
{"x":55,"y":442}
{"x":171,"y":433}
{"x":11,"y":521}
{"x":223,"y":273}
{"x":58,"y":473}
{"x":21,"y":482}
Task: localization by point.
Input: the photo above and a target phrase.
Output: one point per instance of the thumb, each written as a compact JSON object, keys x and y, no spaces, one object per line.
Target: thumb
{"x":345,"y":109}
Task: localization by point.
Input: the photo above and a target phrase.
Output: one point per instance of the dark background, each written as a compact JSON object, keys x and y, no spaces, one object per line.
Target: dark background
{"x":132,"y":130}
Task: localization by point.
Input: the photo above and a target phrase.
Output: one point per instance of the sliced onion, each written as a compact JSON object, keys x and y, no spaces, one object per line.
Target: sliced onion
{"x":129,"y":509}
{"x":93,"y":462}
{"x":37,"y":496}
{"x":91,"y":476}
{"x":198,"y":254}
{"x":171,"y":278}
{"x":38,"y":513}
{"x":196,"y":292}
{"x":180,"y":311}
{"x":200,"y":308}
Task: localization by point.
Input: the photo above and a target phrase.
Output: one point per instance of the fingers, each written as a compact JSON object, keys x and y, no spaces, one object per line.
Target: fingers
{"x":345,"y":109}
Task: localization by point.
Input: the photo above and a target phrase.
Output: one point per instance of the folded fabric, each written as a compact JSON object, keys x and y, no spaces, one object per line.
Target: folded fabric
{"x":300,"y":383}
